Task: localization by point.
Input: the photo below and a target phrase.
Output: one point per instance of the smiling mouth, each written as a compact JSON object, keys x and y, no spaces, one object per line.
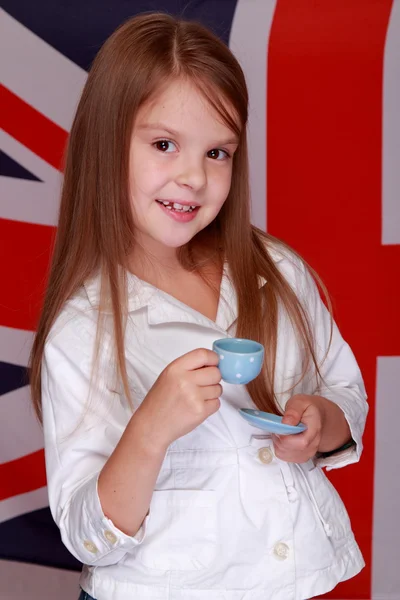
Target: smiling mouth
{"x":177,"y":207}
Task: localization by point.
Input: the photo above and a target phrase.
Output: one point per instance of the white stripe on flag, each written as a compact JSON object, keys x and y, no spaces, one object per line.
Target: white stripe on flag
{"x":29,"y":201}
{"x":386,"y":527}
{"x":15,"y":345}
{"x":248,"y":40}
{"x":23,"y":503}
{"x":391,"y":132}
{"x":28,"y":159}
{"x":21,"y":433}
{"x":39,"y":74}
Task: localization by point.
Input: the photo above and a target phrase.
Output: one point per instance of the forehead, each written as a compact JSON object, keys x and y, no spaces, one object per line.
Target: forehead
{"x":181,"y":106}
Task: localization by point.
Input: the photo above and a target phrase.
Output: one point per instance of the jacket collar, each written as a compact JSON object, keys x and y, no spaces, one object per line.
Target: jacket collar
{"x":163,"y":308}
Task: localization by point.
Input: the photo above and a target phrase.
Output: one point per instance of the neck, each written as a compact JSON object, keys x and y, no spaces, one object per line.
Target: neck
{"x":150,"y":265}
{"x":155,"y":264}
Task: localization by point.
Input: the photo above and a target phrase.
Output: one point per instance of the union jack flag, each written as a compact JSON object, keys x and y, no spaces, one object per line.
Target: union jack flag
{"x":324,"y":130}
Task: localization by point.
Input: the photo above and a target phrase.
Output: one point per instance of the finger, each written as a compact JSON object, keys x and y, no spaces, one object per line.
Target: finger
{"x":291,"y":417}
{"x":211,"y":392}
{"x":312,"y":417}
{"x":286,"y":452}
{"x":206,"y":376}
{"x":212,"y":406}
{"x":294,"y":410}
{"x":299,"y":440}
{"x":295,"y":442}
{"x":196,"y":359}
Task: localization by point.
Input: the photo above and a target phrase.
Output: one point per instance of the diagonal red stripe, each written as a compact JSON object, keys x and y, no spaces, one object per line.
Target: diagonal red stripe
{"x":22,"y":475}
{"x":25,"y":251}
{"x":324,"y":138}
{"x":31,"y":128}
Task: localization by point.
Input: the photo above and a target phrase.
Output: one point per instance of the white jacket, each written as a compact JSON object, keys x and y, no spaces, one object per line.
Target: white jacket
{"x":227,"y":520}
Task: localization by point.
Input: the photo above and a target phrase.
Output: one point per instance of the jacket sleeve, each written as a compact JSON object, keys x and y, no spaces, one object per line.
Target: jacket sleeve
{"x":342,"y":382}
{"x":81,"y":430}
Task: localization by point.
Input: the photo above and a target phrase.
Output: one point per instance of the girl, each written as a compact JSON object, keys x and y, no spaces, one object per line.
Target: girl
{"x":157,"y":484}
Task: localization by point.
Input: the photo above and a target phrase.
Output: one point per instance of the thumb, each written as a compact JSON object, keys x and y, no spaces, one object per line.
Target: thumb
{"x":294,"y":410}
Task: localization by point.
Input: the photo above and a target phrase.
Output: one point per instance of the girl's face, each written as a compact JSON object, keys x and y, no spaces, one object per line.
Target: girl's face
{"x":180,"y":168}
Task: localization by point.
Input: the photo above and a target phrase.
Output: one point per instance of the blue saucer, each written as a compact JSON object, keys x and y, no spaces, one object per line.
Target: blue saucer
{"x":269,"y":422}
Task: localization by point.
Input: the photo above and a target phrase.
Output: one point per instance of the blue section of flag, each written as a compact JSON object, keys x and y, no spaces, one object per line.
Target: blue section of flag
{"x":12,"y":377}
{"x":10,"y":168}
{"x":78,"y":29}
{"x":35,"y":538}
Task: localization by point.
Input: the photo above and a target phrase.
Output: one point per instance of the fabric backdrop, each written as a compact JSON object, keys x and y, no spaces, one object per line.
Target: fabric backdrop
{"x":324,"y":81}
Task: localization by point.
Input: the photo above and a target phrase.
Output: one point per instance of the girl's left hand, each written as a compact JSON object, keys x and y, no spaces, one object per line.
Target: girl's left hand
{"x":300,"y":447}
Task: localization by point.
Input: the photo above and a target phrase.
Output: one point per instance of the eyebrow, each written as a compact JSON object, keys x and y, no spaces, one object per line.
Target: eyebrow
{"x":173,"y":133}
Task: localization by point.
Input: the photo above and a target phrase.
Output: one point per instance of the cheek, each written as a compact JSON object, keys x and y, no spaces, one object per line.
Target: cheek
{"x":221,"y":183}
{"x":145,"y":177}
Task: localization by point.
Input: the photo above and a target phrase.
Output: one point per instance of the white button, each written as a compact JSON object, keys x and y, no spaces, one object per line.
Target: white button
{"x":90,"y":547}
{"x":281,"y":551}
{"x":292,"y":493}
{"x":110,"y":536}
{"x":265,"y":455}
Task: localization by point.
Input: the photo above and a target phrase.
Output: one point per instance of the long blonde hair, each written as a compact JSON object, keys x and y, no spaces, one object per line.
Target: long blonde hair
{"x":96,"y":230}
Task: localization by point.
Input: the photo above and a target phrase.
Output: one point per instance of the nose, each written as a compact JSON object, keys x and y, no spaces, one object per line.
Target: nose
{"x":192,"y":174}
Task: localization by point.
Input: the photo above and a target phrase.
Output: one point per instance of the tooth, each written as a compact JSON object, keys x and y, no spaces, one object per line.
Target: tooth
{"x":165,"y":203}
{"x":177,"y":206}
{"x":185,"y":208}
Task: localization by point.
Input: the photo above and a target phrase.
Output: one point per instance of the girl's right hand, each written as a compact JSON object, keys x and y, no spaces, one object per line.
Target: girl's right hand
{"x":185,"y":394}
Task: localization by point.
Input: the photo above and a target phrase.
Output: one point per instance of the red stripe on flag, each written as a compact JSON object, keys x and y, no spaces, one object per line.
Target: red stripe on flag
{"x":23,"y":475}
{"x":32,"y":129}
{"x":324,"y":138}
{"x":25,"y":251}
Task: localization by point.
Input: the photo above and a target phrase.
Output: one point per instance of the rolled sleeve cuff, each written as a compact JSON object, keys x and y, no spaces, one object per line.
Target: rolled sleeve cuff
{"x":355,"y":409}
{"x":97,"y":540}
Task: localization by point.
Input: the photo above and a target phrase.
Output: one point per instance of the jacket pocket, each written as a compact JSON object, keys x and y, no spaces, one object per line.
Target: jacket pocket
{"x":181,"y":532}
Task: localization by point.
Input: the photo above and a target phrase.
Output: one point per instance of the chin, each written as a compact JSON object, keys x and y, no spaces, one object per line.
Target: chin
{"x":176,"y":239}
{"x":176,"y":243}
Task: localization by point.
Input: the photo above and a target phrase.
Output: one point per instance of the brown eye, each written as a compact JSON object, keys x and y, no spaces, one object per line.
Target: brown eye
{"x":217,"y":154}
{"x":164,"y":146}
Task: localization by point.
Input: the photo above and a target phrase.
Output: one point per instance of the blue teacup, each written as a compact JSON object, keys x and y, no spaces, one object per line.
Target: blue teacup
{"x":240,"y":361}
